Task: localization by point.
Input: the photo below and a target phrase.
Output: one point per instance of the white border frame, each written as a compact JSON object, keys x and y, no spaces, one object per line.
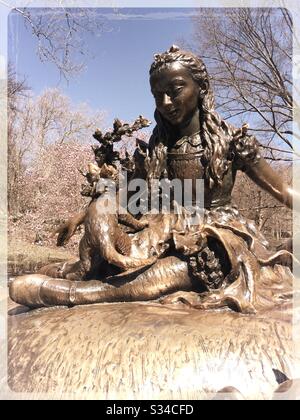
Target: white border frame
{"x":5,"y":7}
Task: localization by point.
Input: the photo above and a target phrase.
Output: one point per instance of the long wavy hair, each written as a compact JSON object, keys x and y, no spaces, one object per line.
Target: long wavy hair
{"x":215,"y":133}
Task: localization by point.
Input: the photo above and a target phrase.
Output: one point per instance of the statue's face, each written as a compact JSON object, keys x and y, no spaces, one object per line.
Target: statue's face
{"x":176,"y":93}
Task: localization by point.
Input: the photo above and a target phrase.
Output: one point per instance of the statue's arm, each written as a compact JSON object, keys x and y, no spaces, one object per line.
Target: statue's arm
{"x":266,"y":178}
{"x":246,"y":150}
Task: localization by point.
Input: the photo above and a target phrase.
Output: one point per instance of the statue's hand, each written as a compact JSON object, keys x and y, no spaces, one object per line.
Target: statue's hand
{"x":240,"y":132}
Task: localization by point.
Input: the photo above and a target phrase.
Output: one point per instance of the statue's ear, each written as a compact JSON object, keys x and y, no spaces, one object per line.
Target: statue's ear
{"x":203,"y":88}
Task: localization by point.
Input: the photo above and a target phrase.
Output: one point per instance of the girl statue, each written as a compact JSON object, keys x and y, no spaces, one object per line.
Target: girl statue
{"x":223,"y":260}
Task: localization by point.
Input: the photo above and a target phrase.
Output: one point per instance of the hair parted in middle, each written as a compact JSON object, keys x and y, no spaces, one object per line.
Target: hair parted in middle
{"x":216,"y":134}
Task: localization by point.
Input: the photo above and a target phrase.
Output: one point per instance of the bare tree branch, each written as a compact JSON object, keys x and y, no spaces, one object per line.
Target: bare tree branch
{"x":61,"y":33}
{"x":248,"y":53}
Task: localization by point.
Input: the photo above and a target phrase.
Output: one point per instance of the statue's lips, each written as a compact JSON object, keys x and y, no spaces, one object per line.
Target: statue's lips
{"x":171,"y":114}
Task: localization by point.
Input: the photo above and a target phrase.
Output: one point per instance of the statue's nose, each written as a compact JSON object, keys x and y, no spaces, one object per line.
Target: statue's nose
{"x":166,"y":101}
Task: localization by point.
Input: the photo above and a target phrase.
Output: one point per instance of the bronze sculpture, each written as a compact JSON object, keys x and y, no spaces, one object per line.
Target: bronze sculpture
{"x":190,"y":141}
{"x":221,"y":261}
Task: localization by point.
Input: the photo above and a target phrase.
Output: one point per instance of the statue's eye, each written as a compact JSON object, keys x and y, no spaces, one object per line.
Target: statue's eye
{"x":176,"y":90}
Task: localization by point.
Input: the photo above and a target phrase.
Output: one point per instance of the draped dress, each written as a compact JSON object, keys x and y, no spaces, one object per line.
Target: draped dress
{"x":232,"y":260}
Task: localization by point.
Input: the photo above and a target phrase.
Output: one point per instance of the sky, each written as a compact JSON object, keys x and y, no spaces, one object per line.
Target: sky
{"x":116,"y":78}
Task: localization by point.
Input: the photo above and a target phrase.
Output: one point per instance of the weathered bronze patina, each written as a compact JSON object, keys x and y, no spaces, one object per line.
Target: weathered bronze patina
{"x":149,"y":351}
{"x":222,"y":261}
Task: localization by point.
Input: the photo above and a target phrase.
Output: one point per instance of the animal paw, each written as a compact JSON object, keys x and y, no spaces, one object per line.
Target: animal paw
{"x":143,"y":223}
{"x":73,"y":277}
{"x":54,"y":270}
{"x":140,"y":225}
